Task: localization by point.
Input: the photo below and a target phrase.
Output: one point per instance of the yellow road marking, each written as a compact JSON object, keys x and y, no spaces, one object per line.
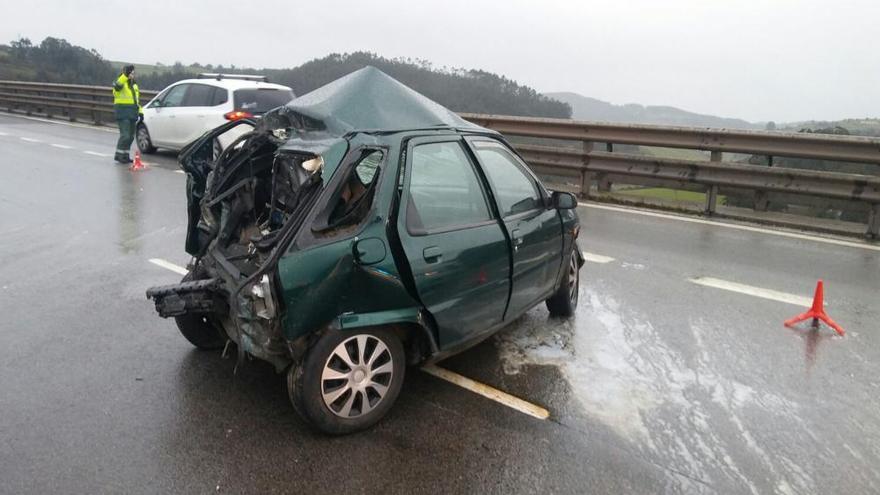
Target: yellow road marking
{"x":488,"y":392}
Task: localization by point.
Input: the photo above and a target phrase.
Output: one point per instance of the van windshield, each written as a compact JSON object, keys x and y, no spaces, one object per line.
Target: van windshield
{"x":260,"y":101}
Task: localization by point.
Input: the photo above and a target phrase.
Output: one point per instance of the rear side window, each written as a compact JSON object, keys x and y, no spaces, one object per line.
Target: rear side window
{"x":515,"y":190}
{"x":353,"y":199}
{"x":199,"y":95}
{"x":444,"y":191}
{"x":221,"y":96}
{"x":259,"y":101}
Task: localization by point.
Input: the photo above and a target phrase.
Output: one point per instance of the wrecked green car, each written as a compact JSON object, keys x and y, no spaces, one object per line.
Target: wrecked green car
{"x":360,"y":228}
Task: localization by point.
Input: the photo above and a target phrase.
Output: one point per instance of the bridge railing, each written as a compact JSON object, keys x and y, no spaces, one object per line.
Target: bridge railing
{"x":70,"y":101}
{"x":575,"y":160}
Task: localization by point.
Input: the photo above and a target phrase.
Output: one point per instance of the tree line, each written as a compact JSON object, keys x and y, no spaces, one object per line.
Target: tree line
{"x":464,"y":90}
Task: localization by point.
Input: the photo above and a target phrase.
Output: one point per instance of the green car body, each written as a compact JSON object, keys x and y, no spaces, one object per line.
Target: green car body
{"x":338,"y":216}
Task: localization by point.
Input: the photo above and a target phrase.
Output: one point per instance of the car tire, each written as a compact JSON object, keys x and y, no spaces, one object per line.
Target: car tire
{"x":564,"y":301}
{"x":199,"y":329}
{"x":331,"y":392}
{"x":144,"y":142}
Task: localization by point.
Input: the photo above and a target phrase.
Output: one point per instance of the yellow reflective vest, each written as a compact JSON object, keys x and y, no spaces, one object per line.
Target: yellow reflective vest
{"x":126,"y":92}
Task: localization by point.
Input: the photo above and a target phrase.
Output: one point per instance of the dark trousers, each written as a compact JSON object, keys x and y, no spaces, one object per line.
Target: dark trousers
{"x":126,"y":135}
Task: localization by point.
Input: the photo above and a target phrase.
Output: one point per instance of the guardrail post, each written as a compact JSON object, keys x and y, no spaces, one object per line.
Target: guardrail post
{"x":874,"y":222}
{"x":712,"y":191}
{"x":604,"y":183}
{"x":586,"y":176}
{"x":762,"y":200}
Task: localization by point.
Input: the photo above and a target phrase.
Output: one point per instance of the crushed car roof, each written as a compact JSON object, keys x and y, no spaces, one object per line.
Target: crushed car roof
{"x":370,"y":100}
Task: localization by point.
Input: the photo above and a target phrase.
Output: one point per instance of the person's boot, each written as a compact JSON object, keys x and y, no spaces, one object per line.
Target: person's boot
{"x":122,"y":158}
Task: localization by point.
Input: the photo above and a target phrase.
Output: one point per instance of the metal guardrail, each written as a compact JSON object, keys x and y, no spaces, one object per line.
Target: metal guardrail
{"x":583,"y":165}
{"x":71,"y":101}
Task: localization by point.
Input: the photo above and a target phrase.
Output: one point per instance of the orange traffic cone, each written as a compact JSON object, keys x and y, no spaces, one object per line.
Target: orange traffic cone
{"x":816,"y":312}
{"x":137,"y":164}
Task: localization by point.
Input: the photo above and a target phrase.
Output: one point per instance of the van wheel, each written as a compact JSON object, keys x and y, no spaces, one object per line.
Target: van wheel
{"x":348,"y":380}
{"x":200,"y":330}
{"x":144,"y":143}
{"x":564,"y":301}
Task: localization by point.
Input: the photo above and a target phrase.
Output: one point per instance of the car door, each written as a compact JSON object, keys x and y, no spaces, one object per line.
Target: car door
{"x":457,"y":250}
{"x":162,"y":122}
{"x":535,"y":229}
{"x":192,"y":118}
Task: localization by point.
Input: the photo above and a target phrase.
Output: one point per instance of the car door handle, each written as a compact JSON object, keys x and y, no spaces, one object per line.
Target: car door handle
{"x":516,"y":236}
{"x":432,"y":254}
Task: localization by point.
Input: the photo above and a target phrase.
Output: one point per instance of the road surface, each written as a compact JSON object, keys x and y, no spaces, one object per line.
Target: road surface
{"x":676,"y":375}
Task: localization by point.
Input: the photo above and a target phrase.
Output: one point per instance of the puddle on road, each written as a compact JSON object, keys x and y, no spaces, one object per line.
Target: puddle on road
{"x":673,"y":407}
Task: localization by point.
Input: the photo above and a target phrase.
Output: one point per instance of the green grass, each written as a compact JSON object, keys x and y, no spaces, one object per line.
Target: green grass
{"x":674,"y":153}
{"x":669,"y":194}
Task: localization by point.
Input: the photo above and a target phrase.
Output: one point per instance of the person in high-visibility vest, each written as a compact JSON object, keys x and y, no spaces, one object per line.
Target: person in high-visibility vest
{"x":127,"y":107}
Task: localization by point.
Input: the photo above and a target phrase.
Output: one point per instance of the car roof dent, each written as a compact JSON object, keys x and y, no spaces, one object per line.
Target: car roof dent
{"x":370,"y":100}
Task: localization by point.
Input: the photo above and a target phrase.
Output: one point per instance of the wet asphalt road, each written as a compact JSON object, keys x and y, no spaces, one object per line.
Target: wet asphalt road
{"x":657,"y":385}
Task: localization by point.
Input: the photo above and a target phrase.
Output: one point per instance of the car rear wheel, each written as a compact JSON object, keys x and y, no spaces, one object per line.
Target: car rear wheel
{"x":144,"y":143}
{"x":564,"y":301}
{"x":348,"y":380}
{"x":200,"y":330}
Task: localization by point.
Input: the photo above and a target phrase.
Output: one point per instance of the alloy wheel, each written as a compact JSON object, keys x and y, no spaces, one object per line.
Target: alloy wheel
{"x":573,"y":282}
{"x":356,"y":376}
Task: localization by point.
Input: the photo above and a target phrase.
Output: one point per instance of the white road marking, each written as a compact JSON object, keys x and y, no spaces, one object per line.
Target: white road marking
{"x":3,"y":134}
{"x":169,"y":266}
{"x":753,"y":291}
{"x":30,"y":140}
{"x":60,"y":122}
{"x":179,"y":172}
{"x":95,"y":153}
{"x":596,"y":258}
{"x":486,"y":391}
{"x":780,"y":233}
{"x":62,"y":146}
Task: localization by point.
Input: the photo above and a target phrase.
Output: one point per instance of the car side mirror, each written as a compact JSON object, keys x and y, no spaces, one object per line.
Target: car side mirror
{"x":563,"y":200}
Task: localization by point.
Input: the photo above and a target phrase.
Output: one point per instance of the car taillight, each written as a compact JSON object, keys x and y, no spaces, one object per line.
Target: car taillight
{"x":237,"y":114}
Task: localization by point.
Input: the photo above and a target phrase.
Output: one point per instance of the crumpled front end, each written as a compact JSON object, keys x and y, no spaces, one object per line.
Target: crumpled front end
{"x":244,"y":208}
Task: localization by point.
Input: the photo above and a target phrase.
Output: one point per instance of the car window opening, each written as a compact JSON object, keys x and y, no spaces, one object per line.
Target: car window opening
{"x":354,"y":198}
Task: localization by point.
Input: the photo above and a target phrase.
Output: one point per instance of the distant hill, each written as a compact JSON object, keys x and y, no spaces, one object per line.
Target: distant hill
{"x":586,"y":108}
{"x":464,"y":90}
{"x":855,"y":127}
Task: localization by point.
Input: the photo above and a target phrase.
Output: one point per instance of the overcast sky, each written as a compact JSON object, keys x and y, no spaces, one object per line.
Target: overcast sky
{"x":781,"y":60}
